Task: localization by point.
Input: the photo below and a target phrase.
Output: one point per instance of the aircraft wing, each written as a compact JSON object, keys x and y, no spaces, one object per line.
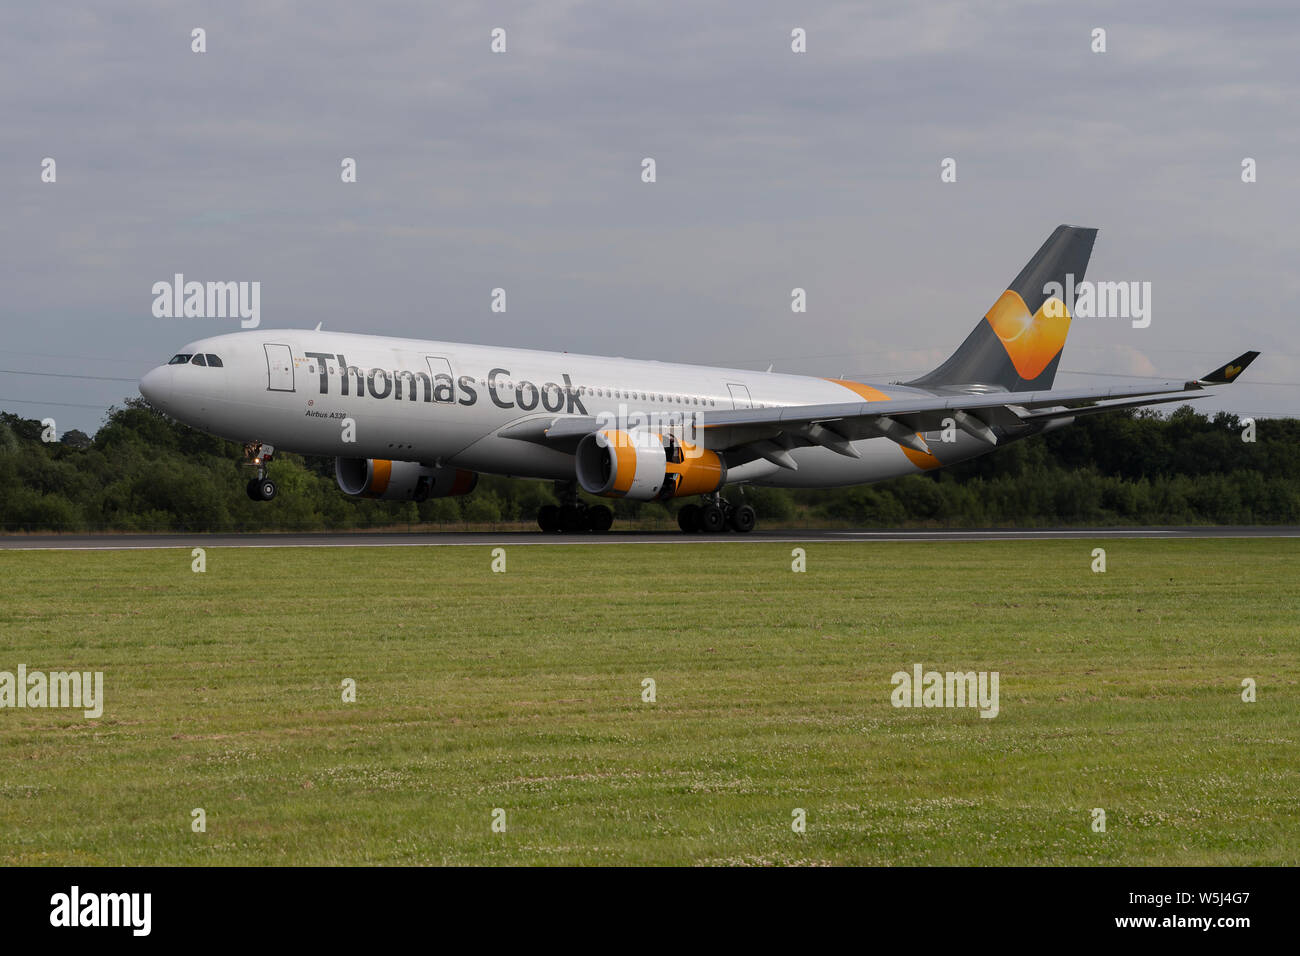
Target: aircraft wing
{"x":772,"y":432}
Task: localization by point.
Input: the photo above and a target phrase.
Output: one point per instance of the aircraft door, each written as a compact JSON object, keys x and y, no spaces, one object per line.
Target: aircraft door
{"x":440,"y":366}
{"x":279,"y":368}
{"x":739,"y":396}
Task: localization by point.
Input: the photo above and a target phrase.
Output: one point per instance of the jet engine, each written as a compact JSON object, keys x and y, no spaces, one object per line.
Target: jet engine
{"x":401,"y":480}
{"x":646,"y":466}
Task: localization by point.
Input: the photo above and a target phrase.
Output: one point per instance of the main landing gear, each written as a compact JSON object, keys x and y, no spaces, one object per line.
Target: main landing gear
{"x":261,"y":488}
{"x":714,"y":515}
{"x":572,"y":516}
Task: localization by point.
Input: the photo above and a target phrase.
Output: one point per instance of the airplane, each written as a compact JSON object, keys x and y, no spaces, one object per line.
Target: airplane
{"x":408,"y":419}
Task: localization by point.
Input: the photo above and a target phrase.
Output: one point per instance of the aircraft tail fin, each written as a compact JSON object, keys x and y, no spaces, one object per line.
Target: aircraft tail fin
{"x":1018,"y":343}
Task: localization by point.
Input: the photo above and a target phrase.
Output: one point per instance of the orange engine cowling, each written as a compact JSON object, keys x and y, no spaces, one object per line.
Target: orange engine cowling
{"x":646,"y":466}
{"x":400,"y":480}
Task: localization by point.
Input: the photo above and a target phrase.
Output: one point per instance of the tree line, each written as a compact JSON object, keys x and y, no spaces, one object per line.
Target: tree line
{"x":142,"y":471}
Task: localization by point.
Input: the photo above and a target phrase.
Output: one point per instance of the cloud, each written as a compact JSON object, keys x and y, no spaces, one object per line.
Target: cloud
{"x":776,"y":170}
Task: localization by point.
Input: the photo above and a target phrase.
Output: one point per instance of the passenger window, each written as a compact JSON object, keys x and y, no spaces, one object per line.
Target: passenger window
{"x":199,"y":359}
{"x":213,"y":361}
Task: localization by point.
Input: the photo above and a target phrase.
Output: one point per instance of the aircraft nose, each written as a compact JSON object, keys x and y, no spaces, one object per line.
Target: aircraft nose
{"x":156,"y":386}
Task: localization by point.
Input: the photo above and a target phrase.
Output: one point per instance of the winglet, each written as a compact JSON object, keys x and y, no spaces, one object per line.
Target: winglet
{"x":1229,"y":372}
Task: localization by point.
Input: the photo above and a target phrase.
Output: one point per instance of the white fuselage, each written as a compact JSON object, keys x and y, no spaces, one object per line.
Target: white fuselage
{"x":298,"y":390}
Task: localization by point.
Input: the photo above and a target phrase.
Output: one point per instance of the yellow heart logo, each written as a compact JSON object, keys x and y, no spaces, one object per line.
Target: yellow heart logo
{"x":1031,"y":341}
{"x":1231,"y":371}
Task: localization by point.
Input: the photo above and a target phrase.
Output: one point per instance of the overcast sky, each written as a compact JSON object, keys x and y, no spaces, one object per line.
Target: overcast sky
{"x":523,"y":170}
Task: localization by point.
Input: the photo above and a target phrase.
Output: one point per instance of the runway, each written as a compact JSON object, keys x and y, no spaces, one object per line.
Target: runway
{"x":371,"y":539}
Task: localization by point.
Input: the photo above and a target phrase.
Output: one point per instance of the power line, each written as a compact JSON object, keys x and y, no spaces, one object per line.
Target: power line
{"x":1070,"y":347}
{"x":1165,"y":378}
{"x":24,"y":401}
{"x":98,"y":378}
{"x":88,"y":358}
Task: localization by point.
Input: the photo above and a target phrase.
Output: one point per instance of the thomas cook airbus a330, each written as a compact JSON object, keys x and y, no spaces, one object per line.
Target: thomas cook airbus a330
{"x":408,"y":419}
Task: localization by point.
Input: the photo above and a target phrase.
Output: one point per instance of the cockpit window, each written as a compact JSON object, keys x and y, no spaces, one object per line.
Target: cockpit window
{"x":180,"y":359}
{"x":199,"y":359}
{"x":213,"y":361}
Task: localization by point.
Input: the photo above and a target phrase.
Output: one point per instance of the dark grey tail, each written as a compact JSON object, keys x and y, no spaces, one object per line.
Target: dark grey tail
{"x":1018,"y":343}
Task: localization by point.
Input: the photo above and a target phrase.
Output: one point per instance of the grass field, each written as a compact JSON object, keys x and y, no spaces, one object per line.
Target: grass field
{"x":523,"y":691}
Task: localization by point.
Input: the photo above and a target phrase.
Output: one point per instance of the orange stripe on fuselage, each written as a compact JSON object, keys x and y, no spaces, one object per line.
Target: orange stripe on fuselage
{"x":921,"y":459}
{"x":872,"y":394}
{"x":868,"y":392}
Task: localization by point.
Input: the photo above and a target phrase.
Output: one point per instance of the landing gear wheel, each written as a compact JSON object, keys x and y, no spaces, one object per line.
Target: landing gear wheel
{"x":548,"y":518}
{"x":260,"y":487}
{"x":686,"y":518}
{"x":599,"y":518}
{"x":573,"y":518}
{"x":710,"y":519}
{"x":743,"y":519}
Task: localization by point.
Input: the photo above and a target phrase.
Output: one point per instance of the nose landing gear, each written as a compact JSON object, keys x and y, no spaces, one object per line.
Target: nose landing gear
{"x":260,"y":488}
